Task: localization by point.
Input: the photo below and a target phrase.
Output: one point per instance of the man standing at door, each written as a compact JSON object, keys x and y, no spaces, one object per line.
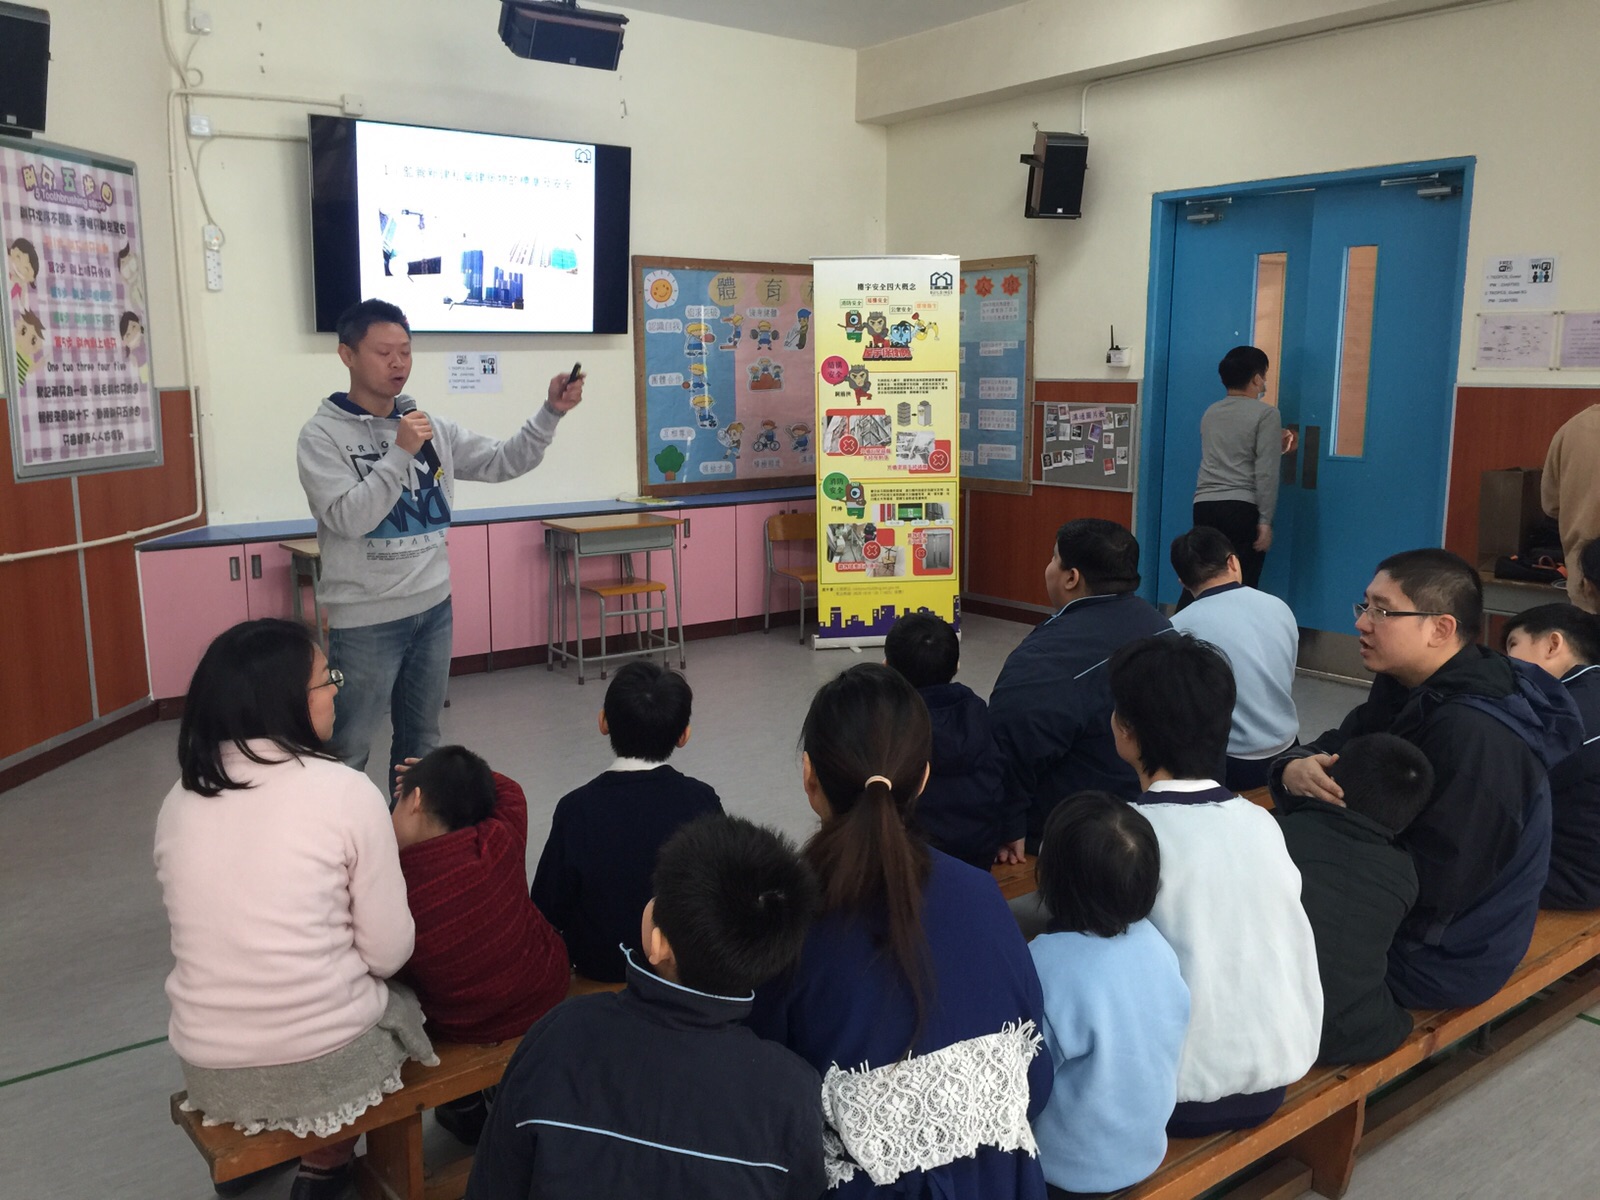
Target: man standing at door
{"x":380,"y":478}
{"x":1241,"y":440}
{"x":1570,"y":492}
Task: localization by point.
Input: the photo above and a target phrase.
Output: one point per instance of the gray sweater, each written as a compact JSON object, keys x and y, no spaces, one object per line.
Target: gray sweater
{"x":1241,"y":441}
{"x":382,"y":515}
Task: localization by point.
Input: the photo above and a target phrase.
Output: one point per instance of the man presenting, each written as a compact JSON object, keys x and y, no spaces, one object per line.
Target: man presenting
{"x":380,"y":477}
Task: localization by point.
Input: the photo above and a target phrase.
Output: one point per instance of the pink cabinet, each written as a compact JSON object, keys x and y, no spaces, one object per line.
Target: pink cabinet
{"x":519,"y":582}
{"x":707,"y":563}
{"x":269,"y":585}
{"x":751,"y":558}
{"x":468,"y":547}
{"x":189,"y":597}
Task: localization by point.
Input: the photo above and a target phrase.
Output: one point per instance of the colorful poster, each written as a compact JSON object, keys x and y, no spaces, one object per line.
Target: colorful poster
{"x":888,"y":420}
{"x":725,"y":395}
{"x":76,"y":319}
{"x":996,"y":373}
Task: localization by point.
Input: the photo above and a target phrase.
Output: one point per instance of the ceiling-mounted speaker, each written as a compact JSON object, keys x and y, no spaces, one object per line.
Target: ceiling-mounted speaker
{"x":24,"y":68}
{"x":561,"y":33}
{"x":1055,"y":175}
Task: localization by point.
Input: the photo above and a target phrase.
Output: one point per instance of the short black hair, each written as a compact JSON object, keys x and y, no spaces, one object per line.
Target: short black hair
{"x":647,"y":709}
{"x":1175,"y":693}
{"x":457,"y":786}
{"x":1581,"y":629}
{"x":1199,"y":555}
{"x":1099,"y":865}
{"x":924,"y":648}
{"x":250,"y":686}
{"x":1435,"y":580}
{"x":1384,"y":777}
{"x":1240,"y":365}
{"x":358,"y":318}
{"x":735,"y":900}
{"x":1105,"y":553}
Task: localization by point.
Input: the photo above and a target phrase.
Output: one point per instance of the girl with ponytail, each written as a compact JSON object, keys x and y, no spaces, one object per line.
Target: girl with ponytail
{"x":915,"y":997}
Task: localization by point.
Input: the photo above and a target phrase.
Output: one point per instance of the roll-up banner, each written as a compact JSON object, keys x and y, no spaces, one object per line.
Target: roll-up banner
{"x":888,"y":338}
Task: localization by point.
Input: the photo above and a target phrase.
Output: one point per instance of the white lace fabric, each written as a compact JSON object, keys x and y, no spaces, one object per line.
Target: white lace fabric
{"x":325,"y":1125}
{"x":930,"y":1110}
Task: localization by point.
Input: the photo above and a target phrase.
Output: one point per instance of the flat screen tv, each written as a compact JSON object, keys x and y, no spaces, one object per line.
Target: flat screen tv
{"x":469,"y":232}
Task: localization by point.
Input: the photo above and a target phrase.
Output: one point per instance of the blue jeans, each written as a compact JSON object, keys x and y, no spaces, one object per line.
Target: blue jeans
{"x":403,"y":665}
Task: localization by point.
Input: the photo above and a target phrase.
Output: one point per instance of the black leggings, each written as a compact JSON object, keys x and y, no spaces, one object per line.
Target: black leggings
{"x":1237,"y":521}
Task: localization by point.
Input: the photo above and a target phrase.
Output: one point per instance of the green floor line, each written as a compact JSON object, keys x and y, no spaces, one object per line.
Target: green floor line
{"x":1588,"y":1018}
{"x":78,"y":1062}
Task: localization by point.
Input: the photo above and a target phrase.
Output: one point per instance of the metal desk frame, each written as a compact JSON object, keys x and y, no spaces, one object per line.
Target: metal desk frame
{"x":569,"y":542}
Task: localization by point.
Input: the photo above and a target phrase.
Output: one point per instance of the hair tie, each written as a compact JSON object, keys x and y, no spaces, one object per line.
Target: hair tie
{"x":872,"y":779}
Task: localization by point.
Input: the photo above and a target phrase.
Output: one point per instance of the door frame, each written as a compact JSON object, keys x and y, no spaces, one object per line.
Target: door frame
{"x":1165,"y":214}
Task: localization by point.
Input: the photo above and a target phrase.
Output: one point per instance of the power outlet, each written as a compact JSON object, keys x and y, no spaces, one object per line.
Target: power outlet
{"x":199,"y":20}
{"x":211,"y":238}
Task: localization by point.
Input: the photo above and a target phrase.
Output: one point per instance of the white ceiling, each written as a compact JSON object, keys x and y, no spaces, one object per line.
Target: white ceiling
{"x":853,"y":24}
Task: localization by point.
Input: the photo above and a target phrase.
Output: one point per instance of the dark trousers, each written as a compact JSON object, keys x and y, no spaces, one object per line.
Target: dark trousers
{"x":1237,"y":521}
{"x":1194,"y":1118}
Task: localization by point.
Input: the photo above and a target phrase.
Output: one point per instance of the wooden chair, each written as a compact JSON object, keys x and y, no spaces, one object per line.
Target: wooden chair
{"x":789,"y":528}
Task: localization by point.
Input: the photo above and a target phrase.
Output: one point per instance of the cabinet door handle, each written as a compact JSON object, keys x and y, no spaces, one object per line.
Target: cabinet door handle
{"x":233,"y":568}
{"x":686,"y":524}
{"x":255,"y":566}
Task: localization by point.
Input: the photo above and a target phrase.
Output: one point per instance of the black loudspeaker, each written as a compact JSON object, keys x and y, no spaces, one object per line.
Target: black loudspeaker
{"x":24,"y":67}
{"x":560,"y":33}
{"x":1055,"y":175}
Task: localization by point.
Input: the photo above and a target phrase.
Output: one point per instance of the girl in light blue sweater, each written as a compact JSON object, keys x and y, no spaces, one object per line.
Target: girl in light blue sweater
{"x":1116,"y":1007}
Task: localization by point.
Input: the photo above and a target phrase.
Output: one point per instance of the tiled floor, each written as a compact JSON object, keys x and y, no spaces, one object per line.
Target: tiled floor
{"x":83,"y":943}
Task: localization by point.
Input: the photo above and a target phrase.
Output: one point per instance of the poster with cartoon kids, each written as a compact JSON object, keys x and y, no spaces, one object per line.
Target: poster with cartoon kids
{"x":76,"y":320}
{"x":725,"y":392}
{"x":888,"y":372}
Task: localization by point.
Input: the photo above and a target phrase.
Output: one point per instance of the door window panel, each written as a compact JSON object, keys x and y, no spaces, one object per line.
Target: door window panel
{"x":1355,"y":351}
{"x":1267,"y":333}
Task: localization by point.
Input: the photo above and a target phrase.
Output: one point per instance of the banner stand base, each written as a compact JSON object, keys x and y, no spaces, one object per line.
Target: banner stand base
{"x":818,"y":642}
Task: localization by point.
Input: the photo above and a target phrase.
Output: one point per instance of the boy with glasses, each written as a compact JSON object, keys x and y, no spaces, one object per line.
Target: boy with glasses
{"x":1491,"y":728}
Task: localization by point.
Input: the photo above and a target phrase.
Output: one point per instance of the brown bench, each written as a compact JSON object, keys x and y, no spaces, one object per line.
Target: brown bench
{"x":392,"y":1168}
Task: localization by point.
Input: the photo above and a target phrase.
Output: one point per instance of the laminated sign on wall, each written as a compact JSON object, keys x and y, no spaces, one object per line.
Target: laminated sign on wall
{"x":888,"y":424}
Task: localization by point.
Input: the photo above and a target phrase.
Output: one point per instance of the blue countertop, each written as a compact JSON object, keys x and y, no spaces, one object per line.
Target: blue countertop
{"x":267,"y":531}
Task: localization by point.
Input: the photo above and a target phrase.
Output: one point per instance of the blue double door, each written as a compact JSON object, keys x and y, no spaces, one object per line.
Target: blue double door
{"x":1359,"y":283}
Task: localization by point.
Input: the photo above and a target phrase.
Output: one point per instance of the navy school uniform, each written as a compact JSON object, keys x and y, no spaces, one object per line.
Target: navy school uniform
{"x":1574,"y":880}
{"x":962,"y":810}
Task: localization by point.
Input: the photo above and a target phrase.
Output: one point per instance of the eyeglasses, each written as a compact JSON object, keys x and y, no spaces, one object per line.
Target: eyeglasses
{"x":1378,"y":614}
{"x":335,"y":679}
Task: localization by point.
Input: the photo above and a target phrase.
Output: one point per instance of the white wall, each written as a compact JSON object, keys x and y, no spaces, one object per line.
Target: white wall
{"x":744,"y":146}
{"x":1515,"y":85}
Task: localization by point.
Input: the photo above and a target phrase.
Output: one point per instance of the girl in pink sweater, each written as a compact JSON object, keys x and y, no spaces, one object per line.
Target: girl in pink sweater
{"x":282,"y":882}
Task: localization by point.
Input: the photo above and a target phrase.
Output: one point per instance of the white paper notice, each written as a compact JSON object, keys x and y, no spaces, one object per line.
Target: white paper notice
{"x":997,"y":418}
{"x":472,"y":371}
{"x":1580,"y":340}
{"x":1516,"y":341}
{"x":1520,"y":281}
{"x":1003,"y":387}
{"x":989,"y":452}
{"x":1086,"y":414}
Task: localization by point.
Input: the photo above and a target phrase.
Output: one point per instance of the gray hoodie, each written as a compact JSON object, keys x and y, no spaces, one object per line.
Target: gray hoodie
{"x":382,"y":515}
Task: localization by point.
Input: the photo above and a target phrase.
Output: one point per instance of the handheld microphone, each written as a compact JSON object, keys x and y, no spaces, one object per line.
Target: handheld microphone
{"x":404,"y":404}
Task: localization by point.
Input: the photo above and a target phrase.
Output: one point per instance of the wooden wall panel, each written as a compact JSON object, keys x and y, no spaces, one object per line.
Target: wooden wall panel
{"x":1498,"y":427}
{"x":45,"y":655}
{"x":1009,"y":538}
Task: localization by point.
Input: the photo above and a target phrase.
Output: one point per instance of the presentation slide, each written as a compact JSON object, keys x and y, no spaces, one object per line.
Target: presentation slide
{"x":476,"y":231}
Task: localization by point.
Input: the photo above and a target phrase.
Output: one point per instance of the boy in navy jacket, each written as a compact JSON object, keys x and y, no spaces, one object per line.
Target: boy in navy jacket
{"x":661,"y":1090}
{"x":594,"y":874}
{"x":961,"y":810}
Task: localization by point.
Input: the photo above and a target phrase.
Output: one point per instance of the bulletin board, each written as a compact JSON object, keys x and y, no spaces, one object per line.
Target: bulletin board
{"x":725,"y":391}
{"x":1088,"y":446}
{"x":997,"y":373}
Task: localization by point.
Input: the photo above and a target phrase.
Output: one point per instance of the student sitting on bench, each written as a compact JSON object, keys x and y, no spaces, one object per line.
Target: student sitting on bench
{"x":594,"y":874}
{"x":487,"y":965}
{"x":1565,"y":641}
{"x":1492,"y":727}
{"x":1229,"y":904}
{"x":1357,"y":886}
{"x":660,"y":1090}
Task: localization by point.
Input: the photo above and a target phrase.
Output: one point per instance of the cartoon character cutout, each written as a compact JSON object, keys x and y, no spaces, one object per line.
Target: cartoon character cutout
{"x":878,"y":329}
{"x":132,"y":272}
{"x":696,"y":337}
{"x":901,"y":333}
{"x":767,"y":440}
{"x":732,"y":321}
{"x":28,"y":334}
{"x":795,"y":339}
{"x":731,"y":439}
{"x":800,"y":437}
{"x":130,"y":327}
{"x":860,"y":381}
{"x":22,"y":270}
{"x":852,"y":325}
{"x":700,"y":395}
{"x":762,"y":334}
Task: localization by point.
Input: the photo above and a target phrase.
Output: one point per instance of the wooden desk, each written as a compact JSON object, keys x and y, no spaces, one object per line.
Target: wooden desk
{"x":570,"y":541}
{"x":305,"y":566}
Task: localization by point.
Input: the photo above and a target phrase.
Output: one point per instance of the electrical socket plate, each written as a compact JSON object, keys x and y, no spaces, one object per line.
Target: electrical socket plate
{"x":199,"y":20}
{"x":352,"y":105}
{"x":212,"y":236}
{"x":1119,"y":356}
{"x":213,"y":270}
{"x":199,"y":125}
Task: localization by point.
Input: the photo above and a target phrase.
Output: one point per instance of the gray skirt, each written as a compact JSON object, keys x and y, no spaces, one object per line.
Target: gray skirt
{"x":321,"y":1095}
